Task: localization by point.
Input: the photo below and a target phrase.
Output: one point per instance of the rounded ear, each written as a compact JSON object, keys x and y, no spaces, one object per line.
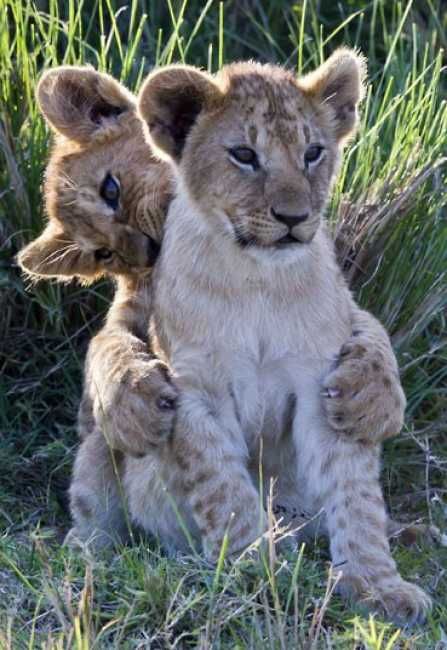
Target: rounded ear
{"x":169,"y":103}
{"x":50,"y":255}
{"x":339,"y":83}
{"x":80,"y":102}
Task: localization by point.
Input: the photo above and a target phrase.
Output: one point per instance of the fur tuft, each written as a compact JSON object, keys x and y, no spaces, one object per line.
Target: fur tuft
{"x":339,"y":83}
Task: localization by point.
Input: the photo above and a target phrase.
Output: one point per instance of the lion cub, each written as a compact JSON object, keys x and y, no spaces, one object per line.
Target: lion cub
{"x":103,"y":190}
{"x":250,"y":311}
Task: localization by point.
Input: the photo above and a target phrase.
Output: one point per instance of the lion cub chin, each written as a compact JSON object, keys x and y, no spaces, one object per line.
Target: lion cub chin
{"x":250,"y":310}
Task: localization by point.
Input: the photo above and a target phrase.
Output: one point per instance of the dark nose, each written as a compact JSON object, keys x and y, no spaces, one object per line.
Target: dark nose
{"x":290,"y":220}
{"x":153,"y":249}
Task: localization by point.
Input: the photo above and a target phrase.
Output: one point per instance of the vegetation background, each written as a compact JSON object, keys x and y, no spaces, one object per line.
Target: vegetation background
{"x":389,"y":220}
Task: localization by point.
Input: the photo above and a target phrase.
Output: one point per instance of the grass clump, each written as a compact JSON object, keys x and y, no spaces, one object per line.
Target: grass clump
{"x":389,"y":221}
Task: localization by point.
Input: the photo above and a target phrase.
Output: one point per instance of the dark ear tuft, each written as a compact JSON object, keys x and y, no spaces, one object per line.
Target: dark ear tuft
{"x":80,"y":102}
{"x":339,"y":82}
{"x":101,"y":110}
{"x":185,"y":107}
{"x":170,"y":101}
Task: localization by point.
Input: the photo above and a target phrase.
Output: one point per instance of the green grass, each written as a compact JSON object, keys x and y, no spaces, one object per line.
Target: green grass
{"x":389,"y":218}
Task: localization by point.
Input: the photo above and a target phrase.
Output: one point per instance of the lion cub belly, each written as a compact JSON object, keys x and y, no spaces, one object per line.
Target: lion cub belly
{"x":268,"y":395}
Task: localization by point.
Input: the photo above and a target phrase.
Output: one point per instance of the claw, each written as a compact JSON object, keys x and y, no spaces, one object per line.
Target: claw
{"x":331,"y":393}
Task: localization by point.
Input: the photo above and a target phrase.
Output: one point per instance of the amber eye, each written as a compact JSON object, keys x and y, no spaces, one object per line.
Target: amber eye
{"x":110,"y":191}
{"x":244,"y":156}
{"x":313,"y":154}
{"x":103,"y":254}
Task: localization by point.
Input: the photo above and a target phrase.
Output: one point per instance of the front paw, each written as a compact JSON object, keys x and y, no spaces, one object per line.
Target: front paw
{"x":138,"y":411}
{"x":362,"y":395}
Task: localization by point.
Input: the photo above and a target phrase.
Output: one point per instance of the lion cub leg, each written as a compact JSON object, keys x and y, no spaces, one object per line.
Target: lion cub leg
{"x":96,"y":501}
{"x":348,"y":476}
{"x":211,"y":455}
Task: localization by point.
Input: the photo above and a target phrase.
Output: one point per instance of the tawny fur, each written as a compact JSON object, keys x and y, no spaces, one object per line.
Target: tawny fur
{"x":123,"y":382}
{"x":128,"y":400}
{"x":251,"y":311}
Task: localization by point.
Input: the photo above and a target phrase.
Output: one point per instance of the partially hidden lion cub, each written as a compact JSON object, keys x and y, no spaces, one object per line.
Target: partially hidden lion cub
{"x":103,"y":187}
{"x":250,"y":310}
{"x":103,"y":190}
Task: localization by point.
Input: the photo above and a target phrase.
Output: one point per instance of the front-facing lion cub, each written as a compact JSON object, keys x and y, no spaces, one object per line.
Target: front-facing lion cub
{"x":251,"y":310}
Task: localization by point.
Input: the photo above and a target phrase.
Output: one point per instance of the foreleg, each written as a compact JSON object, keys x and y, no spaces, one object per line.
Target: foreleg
{"x":132,"y":396}
{"x":209,"y":448}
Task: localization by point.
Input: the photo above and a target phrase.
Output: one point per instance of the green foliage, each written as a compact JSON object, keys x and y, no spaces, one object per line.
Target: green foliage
{"x":389,"y":220}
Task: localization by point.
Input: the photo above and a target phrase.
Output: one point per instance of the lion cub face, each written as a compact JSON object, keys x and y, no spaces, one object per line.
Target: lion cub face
{"x":103,"y":187}
{"x":257,"y":149}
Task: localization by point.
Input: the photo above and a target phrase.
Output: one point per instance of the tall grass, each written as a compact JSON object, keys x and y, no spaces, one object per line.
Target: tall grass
{"x":389,"y":221}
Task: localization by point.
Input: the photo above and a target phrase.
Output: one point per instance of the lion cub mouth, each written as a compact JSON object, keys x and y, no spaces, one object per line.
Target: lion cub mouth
{"x":288,"y":239}
{"x":247,"y":241}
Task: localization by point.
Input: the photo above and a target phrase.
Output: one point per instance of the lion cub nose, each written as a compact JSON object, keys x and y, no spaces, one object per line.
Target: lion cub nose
{"x":290,"y":220}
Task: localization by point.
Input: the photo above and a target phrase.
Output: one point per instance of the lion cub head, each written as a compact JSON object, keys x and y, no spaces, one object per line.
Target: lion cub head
{"x":102,"y":184}
{"x":256,"y":149}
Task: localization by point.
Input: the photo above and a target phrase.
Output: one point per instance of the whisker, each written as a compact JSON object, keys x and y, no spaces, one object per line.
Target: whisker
{"x":69,"y":182}
{"x":58,"y":255}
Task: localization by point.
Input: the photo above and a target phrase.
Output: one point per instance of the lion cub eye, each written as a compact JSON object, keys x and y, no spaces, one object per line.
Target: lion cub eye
{"x":313,"y":154}
{"x":244,"y":156}
{"x":110,"y":191}
{"x":103,"y":254}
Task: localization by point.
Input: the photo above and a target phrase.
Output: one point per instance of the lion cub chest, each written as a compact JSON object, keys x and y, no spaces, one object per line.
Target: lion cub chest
{"x":255,"y":337}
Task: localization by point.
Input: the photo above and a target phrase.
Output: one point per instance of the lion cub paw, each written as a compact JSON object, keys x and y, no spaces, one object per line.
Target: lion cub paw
{"x":363,"y":398}
{"x":399,"y":601}
{"x":140,"y":409}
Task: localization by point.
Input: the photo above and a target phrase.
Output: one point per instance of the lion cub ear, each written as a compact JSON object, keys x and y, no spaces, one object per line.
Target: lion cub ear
{"x":80,"y":103}
{"x":49,"y":255}
{"x":339,"y":83}
{"x":170,"y":102}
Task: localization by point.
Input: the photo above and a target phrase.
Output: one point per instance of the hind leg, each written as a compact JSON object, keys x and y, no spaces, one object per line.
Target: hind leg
{"x":96,"y":500}
{"x":157,"y":503}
